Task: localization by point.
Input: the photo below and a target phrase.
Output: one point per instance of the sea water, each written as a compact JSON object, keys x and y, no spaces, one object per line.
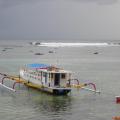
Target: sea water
{"x":87,"y":66}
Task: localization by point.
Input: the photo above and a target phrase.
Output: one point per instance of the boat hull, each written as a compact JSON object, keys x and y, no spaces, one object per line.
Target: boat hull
{"x":50,"y":90}
{"x":61,"y":92}
{"x":56,"y":91}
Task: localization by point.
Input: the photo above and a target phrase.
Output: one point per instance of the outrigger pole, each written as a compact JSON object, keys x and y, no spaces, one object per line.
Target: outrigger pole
{"x":83,"y":86}
{"x":88,"y":89}
{"x":17,"y":79}
{"x":14,"y":78}
{"x":92,"y":90}
{"x":7,"y":87}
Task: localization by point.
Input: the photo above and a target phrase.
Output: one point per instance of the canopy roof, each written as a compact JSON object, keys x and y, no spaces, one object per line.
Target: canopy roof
{"x":46,"y":68}
{"x":37,"y":65}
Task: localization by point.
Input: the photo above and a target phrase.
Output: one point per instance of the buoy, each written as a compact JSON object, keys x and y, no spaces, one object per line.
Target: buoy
{"x":116,"y":118}
{"x":117,"y":99}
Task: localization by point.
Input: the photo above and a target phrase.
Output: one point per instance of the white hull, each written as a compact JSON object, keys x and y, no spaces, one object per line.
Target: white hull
{"x":35,"y":81}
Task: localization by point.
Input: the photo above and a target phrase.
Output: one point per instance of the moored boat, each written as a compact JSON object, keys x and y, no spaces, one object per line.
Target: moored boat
{"x":47,"y":78}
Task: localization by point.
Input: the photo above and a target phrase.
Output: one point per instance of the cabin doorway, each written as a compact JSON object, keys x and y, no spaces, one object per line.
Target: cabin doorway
{"x":57,"y":79}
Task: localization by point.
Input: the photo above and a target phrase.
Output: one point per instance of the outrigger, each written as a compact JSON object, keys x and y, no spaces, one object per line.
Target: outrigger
{"x":47,"y":78}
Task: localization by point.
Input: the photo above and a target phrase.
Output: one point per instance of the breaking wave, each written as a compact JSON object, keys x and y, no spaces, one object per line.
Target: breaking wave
{"x":55,"y":44}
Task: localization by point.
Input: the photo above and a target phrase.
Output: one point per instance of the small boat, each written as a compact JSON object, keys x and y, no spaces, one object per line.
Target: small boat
{"x":35,"y":43}
{"x":47,"y":78}
{"x":51,"y":51}
{"x":39,"y":54}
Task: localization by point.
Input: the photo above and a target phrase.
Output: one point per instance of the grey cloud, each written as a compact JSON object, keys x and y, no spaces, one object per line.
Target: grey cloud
{"x":12,"y":3}
{"x":100,"y":2}
{"x":59,"y":19}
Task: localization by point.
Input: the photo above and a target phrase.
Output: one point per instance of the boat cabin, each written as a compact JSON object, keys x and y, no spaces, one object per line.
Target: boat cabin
{"x":46,"y":75}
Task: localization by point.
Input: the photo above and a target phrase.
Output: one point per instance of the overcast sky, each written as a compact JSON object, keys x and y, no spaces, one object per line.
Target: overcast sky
{"x":60,"y":19}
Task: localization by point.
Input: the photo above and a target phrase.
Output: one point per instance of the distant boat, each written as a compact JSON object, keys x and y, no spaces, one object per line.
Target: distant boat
{"x":39,"y":54}
{"x":96,"y":53}
{"x":35,"y":43}
{"x":46,"y":78}
{"x":51,"y":51}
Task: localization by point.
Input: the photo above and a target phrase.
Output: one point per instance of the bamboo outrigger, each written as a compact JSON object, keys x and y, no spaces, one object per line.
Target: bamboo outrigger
{"x":46,"y":78}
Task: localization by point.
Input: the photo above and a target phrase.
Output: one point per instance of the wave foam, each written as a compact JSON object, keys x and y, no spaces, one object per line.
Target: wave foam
{"x":54,"y":44}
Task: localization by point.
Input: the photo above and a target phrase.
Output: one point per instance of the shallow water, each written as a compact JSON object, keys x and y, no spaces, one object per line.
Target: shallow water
{"x":28,"y":104}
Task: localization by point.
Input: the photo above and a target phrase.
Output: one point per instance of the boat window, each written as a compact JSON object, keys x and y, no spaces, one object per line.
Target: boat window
{"x":45,"y":77}
{"x":51,"y":75}
{"x":63,"y":75}
{"x":44,"y":74}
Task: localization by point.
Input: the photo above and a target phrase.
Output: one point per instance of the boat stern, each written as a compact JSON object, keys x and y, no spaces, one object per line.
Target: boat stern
{"x":61,"y":91}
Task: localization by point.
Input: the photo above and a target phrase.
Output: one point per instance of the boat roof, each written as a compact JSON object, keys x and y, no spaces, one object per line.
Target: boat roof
{"x":46,"y":68}
{"x":37,"y":65}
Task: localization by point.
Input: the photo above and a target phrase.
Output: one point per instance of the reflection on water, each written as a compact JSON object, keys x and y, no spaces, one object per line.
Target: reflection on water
{"x":35,"y":104}
{"x":53,"y":105}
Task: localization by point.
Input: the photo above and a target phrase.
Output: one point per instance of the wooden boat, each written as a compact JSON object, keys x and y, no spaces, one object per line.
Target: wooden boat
{"x":46,"y":78}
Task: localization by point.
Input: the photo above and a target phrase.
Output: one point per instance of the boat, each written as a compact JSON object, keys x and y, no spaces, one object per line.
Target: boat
{"x":34,"y":43}
{"x":47,"y":78}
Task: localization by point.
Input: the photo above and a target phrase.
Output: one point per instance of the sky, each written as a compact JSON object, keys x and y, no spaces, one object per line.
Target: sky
{"x":59,"y":20}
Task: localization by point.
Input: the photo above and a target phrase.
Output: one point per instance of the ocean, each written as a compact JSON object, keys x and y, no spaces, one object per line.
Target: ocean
{"x":99,"y":64}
